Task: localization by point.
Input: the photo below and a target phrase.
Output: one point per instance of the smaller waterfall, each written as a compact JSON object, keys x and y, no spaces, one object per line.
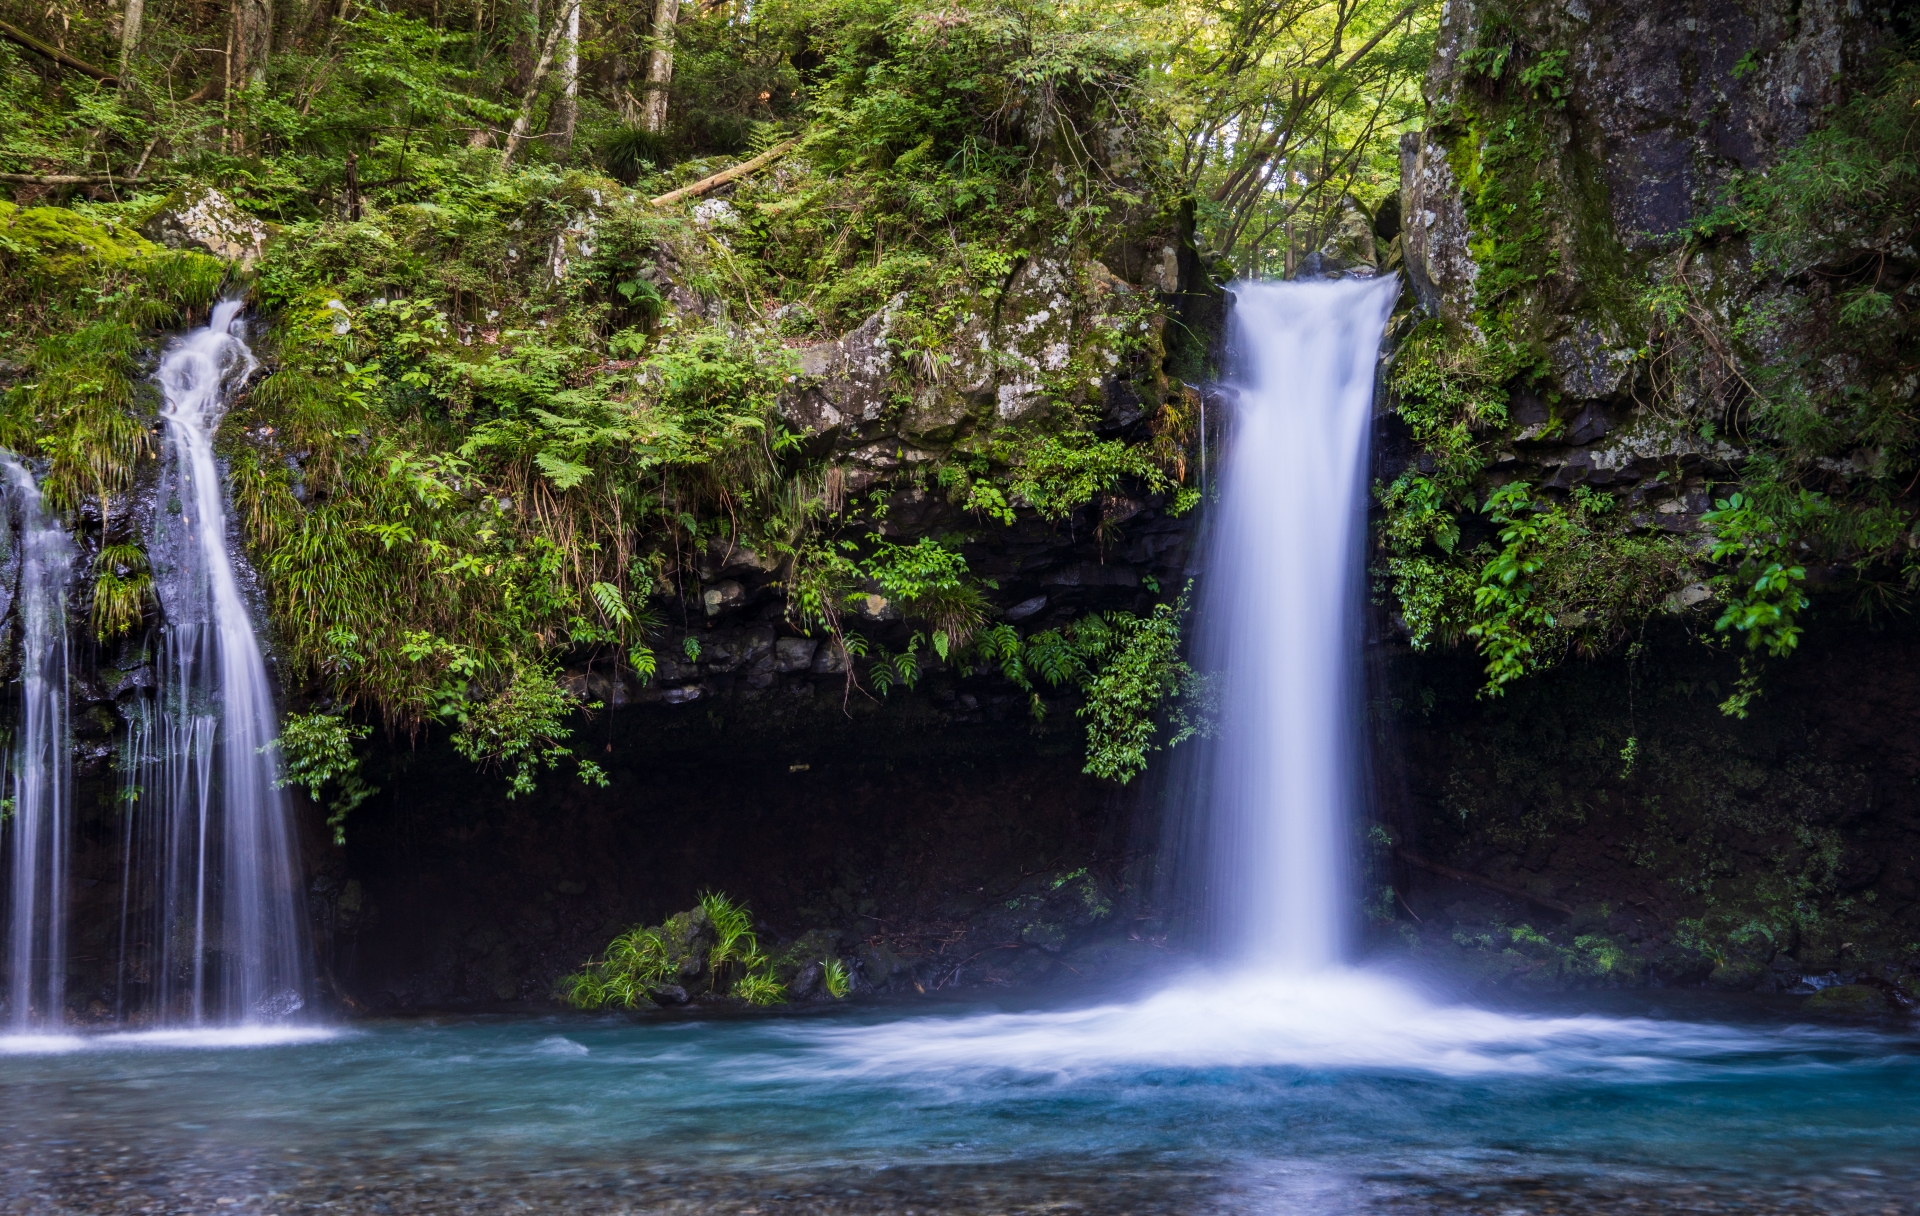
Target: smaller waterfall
{"x":1279,"y":619}
{"x":214,"y":928}
{"x":39,"y":779}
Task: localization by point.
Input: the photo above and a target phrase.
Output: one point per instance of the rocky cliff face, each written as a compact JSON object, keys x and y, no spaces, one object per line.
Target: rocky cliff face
{"x":1626,"y":829}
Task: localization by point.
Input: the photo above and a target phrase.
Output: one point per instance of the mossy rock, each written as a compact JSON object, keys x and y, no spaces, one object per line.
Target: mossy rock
{"x":1849,"y":1001}
{"x":62,"y":241}
{"x":1737,"y":975}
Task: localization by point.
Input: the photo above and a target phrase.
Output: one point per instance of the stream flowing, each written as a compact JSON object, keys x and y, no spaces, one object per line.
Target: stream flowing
{"x":213,"y":929}
{"x":1282,"y":1079}
{"x":39,"y":770}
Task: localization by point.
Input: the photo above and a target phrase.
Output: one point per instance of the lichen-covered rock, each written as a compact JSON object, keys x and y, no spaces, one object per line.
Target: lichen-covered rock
{"x":1434,"y":231}
{"x":202,"y":218}
{"x":845,"y":382}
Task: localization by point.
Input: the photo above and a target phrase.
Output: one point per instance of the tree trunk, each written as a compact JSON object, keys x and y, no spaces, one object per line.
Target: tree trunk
{"x":666,"y":14}
{"x":521,"y":121}
{"x":252,"y":40}
{"x":130,"y":35}
{"x":570,"y":81}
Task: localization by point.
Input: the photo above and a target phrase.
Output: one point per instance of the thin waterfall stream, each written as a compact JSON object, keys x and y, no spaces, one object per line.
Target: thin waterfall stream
{"x":214,"y":930}
{"x":39,"y":773}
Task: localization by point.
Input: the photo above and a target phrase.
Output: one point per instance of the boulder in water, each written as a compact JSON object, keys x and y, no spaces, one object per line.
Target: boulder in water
{"x":200,"y":217}
{"x":1849,"y":1001}
{"x":281,"y":1004}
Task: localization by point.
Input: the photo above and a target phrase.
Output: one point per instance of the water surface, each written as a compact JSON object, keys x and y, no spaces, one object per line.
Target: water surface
{"x":1348,"y":1093}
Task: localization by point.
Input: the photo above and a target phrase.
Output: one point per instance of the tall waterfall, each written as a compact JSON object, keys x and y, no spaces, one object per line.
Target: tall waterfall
{"x":214,"y":929}
{"x":1280,"y":615}
{"x":39,"y":777}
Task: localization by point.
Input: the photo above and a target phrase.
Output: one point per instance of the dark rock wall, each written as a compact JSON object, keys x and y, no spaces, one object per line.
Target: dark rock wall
{"x":946,"y":840}
{"x":1611,"y":798}
{"x":1749,"y":852}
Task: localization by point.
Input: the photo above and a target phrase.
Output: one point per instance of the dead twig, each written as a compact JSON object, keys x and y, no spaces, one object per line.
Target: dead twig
{"x":726,"y":175}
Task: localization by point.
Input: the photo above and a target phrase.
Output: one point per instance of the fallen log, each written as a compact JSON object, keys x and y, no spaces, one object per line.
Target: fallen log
{"x":56,"y":54}
{"x":1445,"y":871}
{"x":74,"y":179}
{"x":726,"y":175}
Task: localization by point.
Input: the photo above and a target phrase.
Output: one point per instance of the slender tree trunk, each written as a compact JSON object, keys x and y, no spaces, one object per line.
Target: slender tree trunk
{"x":252,"y":40}
{"x":570,"y":81}
{"x":521,"y":121}
{"x":666,"y":15}
{"x":130,"y":35}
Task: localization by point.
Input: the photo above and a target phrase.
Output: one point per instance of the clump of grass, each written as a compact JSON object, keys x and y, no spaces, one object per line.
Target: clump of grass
{"x":737,"y":949}
{"x":640,"y":961}
{"x":837,"y":980}
{"x":634,"y":964}
{"x":122,"y":589}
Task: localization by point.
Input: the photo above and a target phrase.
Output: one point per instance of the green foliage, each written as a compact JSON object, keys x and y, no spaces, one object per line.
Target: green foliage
{"x":1129,"y":668}
{"x":642,"y":960}
{"x":633,"y":964}
{"x":1054,"y":474}
{"x":122,"y":590}
{"x":930,"y":581}
{"x":1567,"y":575}
{"x":838,"y":982}
{"x":1760,"y":589}
{"x":522,"y":729}
{"x":316,"y":750}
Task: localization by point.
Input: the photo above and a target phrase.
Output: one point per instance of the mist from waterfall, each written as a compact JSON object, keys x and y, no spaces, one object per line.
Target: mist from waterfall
{"x":39,"y":773}
{"x":213,"y":923}
{"x":1279,"y":783}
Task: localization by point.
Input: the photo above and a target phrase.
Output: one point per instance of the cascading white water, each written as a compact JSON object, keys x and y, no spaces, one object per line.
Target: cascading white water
{"x":40,"y":770}
{"x":1279,"y":618}
{"x":214,"y":928}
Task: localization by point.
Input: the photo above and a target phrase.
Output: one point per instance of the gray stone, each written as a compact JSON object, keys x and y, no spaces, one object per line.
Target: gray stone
{"x":844,"y":382}
{"x":722,"y":597}
{"x":202,"y":218}
{"x":794,"y":654}
{"x":1435,"y":235}
{"x":1026,"y":608}
{"x":1588,"y":365}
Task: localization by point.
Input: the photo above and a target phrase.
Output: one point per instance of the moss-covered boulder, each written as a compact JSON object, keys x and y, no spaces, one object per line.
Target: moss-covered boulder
{"x":1849,"y":1001}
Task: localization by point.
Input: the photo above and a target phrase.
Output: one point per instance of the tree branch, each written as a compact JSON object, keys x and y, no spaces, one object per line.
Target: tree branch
{"x":56,"y":54}
{"x":726,"y":175}
{"x":74,"y":179}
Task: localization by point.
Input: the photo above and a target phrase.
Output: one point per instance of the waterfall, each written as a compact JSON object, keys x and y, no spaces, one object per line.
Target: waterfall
{"x":1279,"y":619}
{"x":39,"y":778}
{"x":214,"y":925}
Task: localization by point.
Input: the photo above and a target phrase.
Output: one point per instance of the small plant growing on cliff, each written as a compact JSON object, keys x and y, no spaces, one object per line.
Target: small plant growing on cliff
{"x":523,"y":728}
{"x":736,"y":947}
{"x":732,"y":930}
{"x":634,"y":963}
{"x":122,"y":589}
{"x":838,"y":981}
{"x":316,"y":751}
{"x":760,"y":988}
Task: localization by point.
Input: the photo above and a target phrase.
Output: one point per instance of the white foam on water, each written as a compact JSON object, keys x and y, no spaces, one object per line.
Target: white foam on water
{"x":1339,"y":1019}
{"x":191,"y":1038}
